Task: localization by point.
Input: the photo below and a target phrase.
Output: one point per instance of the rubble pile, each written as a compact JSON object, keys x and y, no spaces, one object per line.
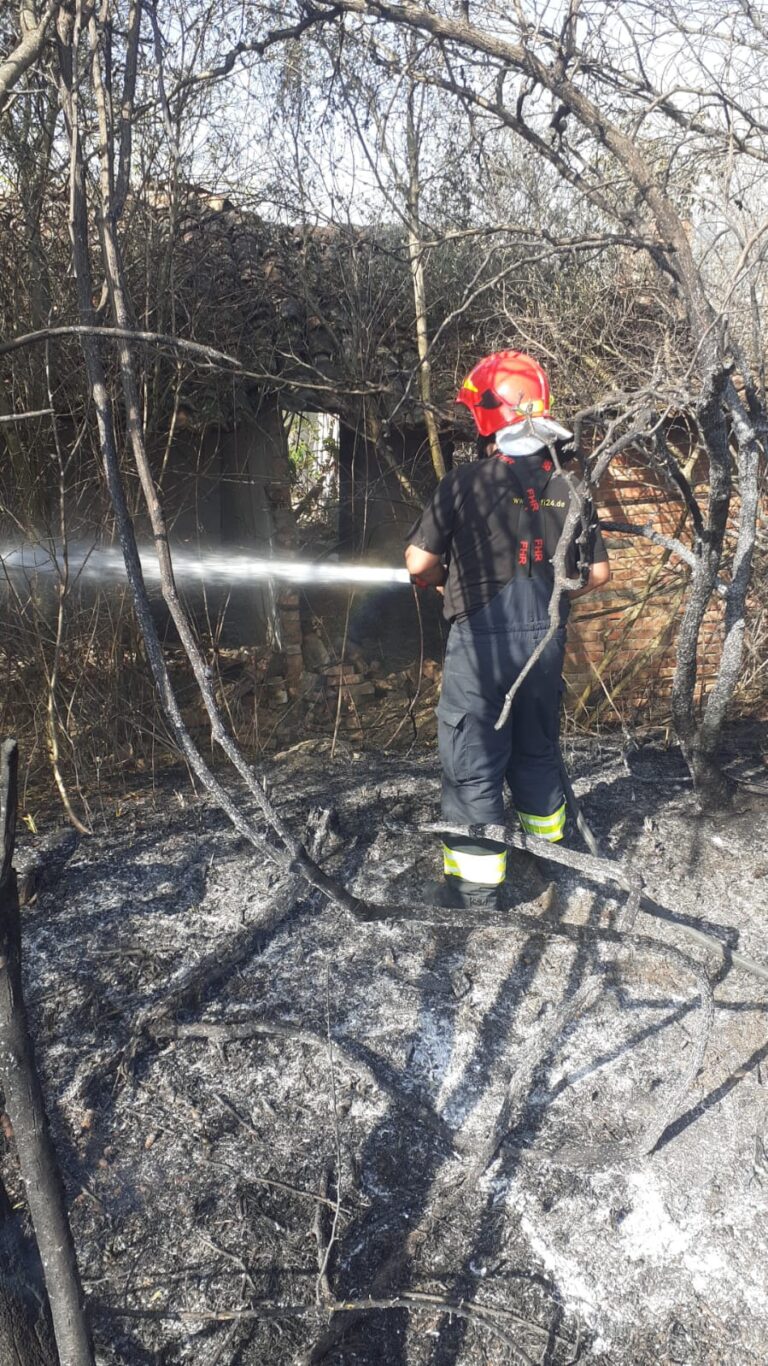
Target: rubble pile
{"x":266,"y":699}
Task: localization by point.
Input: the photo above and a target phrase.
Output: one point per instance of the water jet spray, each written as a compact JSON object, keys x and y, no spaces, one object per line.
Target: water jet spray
{"x":213,"y":566}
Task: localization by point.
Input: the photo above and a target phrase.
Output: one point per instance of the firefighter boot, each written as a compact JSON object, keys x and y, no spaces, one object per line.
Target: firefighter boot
{"x":458,"y":894}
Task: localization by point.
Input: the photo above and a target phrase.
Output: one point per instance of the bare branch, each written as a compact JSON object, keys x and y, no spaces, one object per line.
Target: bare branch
{"x":25,"y":417}
{"x":649,"y":532}
{"x":602,"y":871}
{"x":27,"y":50}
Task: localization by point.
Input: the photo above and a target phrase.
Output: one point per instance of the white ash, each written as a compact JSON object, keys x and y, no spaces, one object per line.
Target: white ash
{"x":174,"y":1150}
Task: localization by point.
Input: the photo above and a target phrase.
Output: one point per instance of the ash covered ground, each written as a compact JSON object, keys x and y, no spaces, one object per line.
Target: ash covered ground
{"x":239,"y":1075}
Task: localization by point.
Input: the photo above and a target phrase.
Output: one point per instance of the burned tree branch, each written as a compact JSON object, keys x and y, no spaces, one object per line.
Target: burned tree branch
{"x":196,"y":351}
{"x":323,"y":1292}
{"x":606,"y":872}
{"x":648,"y":531}
{"x":26,"y":1107}
{"x":291,"y":856}
{"x":482,"y":1316}
{"x":535,"y":1051}
{"x":192,"y":348}
{"x":25,"y":417}
{"x":748,"y":464}
{"x":630,"y":944}
{"x":681,"y":482}
{"x":189,"y":985}
{"x":579,"y":495}
{"x":539,"y":63}
{"x":562,"y":584}
{"x":596,"y":1156}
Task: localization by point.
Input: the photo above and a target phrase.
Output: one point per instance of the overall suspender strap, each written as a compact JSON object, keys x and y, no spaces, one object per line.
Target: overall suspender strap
{"x":530,"y":548}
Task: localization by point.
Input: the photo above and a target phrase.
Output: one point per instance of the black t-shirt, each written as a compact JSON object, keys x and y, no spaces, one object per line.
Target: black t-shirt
{"x":477,"y":521}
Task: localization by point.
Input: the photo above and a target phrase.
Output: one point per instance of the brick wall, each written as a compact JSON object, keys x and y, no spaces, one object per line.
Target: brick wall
{"x":626,"y":634}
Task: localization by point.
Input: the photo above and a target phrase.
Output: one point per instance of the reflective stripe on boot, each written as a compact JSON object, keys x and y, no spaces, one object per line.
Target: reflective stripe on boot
{"x":489,"y":869}
{"x":545,"y":827}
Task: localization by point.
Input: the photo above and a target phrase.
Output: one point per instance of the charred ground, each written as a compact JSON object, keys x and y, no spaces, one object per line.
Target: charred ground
{"x":239,"y":1075}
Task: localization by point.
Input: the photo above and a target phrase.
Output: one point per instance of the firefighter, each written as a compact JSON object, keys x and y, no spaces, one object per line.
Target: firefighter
{"x":486,"y":540}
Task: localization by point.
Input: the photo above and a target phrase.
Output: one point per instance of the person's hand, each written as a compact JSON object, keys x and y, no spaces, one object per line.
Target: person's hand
{"x":426,"y":570}
{"x":430,"y":576}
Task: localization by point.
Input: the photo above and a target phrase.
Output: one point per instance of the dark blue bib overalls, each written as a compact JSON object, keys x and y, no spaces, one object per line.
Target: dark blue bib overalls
{"x":485,"y":654}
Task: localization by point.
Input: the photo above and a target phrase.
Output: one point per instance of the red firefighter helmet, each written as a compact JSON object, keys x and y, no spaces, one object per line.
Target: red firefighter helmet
{"x":503,"y":389}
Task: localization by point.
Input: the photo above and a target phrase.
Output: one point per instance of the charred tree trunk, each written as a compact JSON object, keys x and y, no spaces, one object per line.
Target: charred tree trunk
{"x":710,"y":782}
{"x":26,"y":1333}
{"x":26,"y":1109}
{"x":750,"y":449}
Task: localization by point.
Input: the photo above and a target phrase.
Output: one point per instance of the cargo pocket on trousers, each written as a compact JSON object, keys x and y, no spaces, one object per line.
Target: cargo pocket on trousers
{"x":452,"y":744}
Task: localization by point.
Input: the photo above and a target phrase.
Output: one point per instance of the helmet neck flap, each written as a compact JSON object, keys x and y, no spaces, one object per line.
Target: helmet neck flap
{"x":531,"y":435}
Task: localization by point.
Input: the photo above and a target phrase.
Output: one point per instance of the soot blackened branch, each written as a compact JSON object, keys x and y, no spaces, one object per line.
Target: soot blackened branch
{"x":323,"y":1292}
{"x":630,"y":945}
{"x":322,"y":1288}
{"x":623,"y":1152}
{"x":748,"y":460}
{"x":681,"y":483}
{"x":710,"y":782}
{"x":195,"y":350}
{"x":26,"y":1107}
{"x":577,"y":89}
{"x":191,"y":984}
{"x":580,"y":502}
{"x":535,"y":1051}
{"x":605,"y":872}
{"x":488,"y":1317}
{"x":375,"y":1072}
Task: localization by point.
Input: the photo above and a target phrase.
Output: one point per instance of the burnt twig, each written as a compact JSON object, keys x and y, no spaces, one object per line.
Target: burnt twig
{"x":323,"y":1291}
{"x":222,"y":1033}
{"x":534,"y":1052}
{"x":617,"y":1153}
{"x":482,"y":1316}
{"x":190,"y":984}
